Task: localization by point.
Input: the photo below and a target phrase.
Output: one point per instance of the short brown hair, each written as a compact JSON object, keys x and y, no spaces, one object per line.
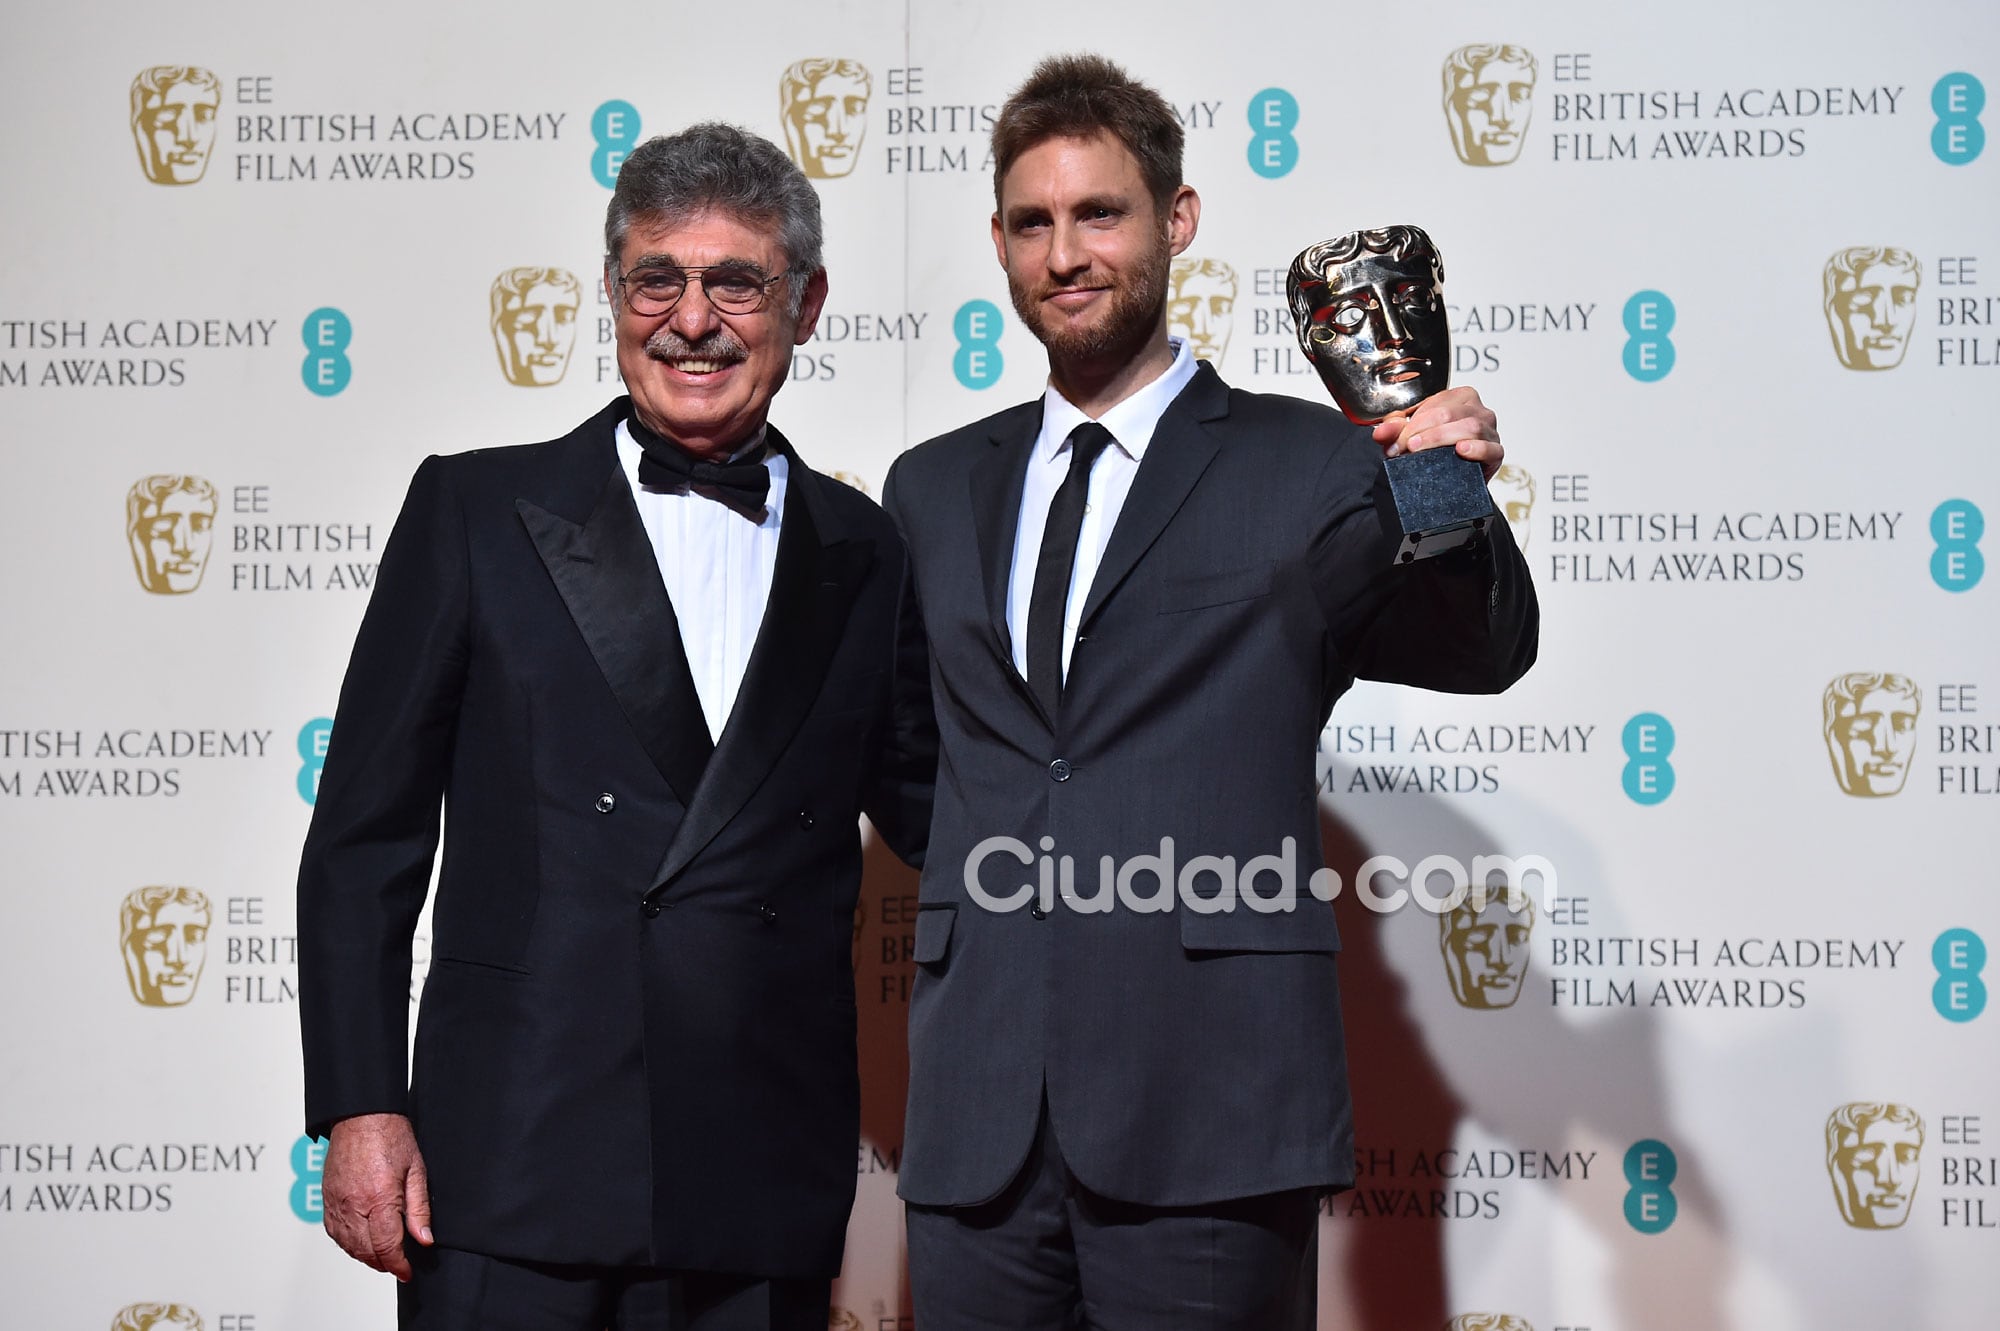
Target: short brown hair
{"x":1077,"y":96}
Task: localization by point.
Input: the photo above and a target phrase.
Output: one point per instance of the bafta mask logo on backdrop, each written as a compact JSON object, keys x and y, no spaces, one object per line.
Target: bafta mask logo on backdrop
{"x":823,"y":102}
{"x":1513,"y":489}
{"x":1871,"y":305}
{"x":1201,"y":306}
{"x":174,"y":113}
{"x":1870,"y":724}
{"x":851,"y":480}
{"x":157,"y":1317}
{"x":1489,"y":93}
{"x":534,"y":323}
{"x":1486,"y":950}
{"x":840,"y":1319}
{"x":1488,"y":1322}
{"x":163,"y":932}
{"x":1872,"y":1153}
{"x":170,"y":525}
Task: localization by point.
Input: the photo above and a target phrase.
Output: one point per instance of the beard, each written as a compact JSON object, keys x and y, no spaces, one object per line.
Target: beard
{"x":1136,"y":306}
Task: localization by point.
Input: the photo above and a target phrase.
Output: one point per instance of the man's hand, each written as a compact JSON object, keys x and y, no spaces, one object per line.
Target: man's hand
{"x":374,"y":1188}
{"x":1454,"y":417}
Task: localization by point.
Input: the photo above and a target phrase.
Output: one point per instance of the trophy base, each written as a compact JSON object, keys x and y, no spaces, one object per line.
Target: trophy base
{"x":1441,"y":501}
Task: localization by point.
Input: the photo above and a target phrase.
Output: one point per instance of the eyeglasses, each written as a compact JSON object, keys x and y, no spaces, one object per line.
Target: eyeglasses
{"x":733,"y":288}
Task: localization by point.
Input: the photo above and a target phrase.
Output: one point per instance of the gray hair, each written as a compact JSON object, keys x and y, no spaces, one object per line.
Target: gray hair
{"x":713,"y":167}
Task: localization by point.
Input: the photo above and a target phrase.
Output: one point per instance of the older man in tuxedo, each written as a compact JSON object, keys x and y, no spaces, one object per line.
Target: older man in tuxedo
{"x":654,"y":670}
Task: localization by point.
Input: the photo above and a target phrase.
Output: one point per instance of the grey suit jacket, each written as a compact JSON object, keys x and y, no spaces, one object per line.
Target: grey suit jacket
{"x":1187,"y":1055}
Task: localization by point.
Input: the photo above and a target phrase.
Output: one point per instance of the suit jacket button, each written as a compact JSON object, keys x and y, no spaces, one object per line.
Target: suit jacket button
{"x":805,"y":820}
{"x":650,"y":908}
{"x":1060,"y":769}
{"x":769,"y":914}
{"x":606,"y":803}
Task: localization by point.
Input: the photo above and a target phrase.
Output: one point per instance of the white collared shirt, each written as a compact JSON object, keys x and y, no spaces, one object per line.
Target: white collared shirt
{"x":1132,"y":423}
{"x":717,"y":566}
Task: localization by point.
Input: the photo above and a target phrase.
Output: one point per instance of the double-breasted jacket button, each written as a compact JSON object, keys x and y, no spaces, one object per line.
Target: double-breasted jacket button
{"x":1060,"y":769}
{"x":767,"y":912}
{"x":805,"y":820}
{"x":606,"y":802}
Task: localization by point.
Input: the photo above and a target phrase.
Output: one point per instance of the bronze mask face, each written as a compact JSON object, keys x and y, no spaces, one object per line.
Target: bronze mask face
{"x":1370,"y":313}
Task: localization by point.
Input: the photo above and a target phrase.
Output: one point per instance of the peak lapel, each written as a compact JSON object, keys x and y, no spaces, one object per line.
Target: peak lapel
{"x":812,"y":588}
{"x":606,"y":574}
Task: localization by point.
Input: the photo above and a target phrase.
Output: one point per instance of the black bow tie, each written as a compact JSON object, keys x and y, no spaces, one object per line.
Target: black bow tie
{"x":667,"y":466}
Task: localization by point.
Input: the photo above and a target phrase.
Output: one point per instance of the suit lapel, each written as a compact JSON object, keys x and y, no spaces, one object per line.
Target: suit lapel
{"x":996,"y":483}
{"x":813,"y":585}
{"x":607,"y":575}
{"x":1179,"y":453}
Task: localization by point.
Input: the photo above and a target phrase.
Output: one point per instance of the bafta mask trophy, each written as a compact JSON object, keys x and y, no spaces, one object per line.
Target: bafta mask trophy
{"x":1370,"y":311}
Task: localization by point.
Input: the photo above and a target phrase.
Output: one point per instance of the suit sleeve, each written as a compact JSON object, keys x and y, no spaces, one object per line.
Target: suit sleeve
{"x":903,"y":771}
{"x":1461,"y":622}
{"x":366,"y":866}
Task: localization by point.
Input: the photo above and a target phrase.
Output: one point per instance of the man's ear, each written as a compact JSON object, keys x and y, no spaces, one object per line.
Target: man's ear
{"x":809,"y":308}
{"x":1183,"y":218}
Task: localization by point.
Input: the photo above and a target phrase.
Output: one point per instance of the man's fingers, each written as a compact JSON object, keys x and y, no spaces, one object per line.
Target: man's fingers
{"x":417,"y":1204}
{"x":385,"y":1241}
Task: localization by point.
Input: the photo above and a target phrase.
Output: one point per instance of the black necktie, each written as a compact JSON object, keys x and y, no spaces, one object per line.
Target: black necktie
{"x":667,"y":466}
{"x":1057,"y":563}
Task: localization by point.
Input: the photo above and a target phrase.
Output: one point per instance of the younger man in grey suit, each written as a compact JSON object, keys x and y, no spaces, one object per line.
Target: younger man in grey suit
{"x":1144,"y":593}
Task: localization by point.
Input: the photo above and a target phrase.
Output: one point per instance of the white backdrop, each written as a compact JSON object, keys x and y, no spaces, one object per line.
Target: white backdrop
{"x":1724,"y":518}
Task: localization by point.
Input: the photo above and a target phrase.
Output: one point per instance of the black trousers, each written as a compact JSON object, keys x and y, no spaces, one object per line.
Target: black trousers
{"x":464,"y":1291}
{"x":1049,"y":1255}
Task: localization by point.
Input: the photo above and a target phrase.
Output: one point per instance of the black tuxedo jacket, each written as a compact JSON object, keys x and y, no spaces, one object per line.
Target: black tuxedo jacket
{"x":636,"y":1042}
{"x":1187,"y":1057}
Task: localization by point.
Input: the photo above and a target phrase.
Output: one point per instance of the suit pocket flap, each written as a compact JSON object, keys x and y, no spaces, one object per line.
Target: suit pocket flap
{"x":933,"y":934}
{"x":1307,"y":927}
{"x":1236,"y":584}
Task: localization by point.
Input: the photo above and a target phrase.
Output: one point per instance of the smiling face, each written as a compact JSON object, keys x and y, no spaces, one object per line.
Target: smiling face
{"x":1375,"y":328}
{"x":1085,"y":249}
{"x":697,"y":376}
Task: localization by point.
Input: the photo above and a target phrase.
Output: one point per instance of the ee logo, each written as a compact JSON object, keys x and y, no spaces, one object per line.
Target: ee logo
{"x":978,"y":361}
{"x":1648,"y":739}
{"x":1649,"y":353}
{"x":1959,"y":994}
{"x":1650,"y":1205}
{"x":312,"y":748}
{"x":308,"y":1166}
{"x":1958,"y":137}
{"x":327,"y":332}
{"x":1956,"y":526}
{"x":1274,"y":114}
{"x":615,"y":126}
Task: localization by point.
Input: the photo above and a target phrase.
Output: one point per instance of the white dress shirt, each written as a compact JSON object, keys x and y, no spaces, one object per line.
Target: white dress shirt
{"x":1131,"y":423}
{"x":717,"y":566}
